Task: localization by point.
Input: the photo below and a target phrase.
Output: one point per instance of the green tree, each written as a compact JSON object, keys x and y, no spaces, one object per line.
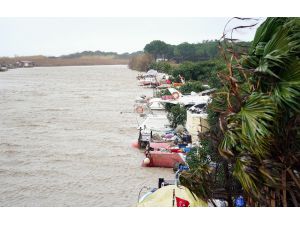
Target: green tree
{"x":157,"y":48}
{"x":185,"y":51}
{"x":177,"y":116}
{"x":207,"y":50}
{"x":256,"y":118}
{"x":204,"y":71}
{"x":162,"y":67}
{"x":170,"y":51}
{"x":188,"y":87}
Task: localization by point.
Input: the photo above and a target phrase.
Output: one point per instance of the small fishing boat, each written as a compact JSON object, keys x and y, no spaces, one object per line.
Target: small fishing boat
{"x":149,"y":81}
{"x":187,"y":100}
{"x":164,"y":159}
{"x":170,"y":194}
{"x":157,"y":123}
{"x":153,"y":123}
{"x":156,"y":105}
{"x":3,"y":68}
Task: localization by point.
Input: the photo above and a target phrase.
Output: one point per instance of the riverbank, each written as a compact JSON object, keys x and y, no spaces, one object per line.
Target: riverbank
{"x":169,"y":134}
{"x":63,"y":61}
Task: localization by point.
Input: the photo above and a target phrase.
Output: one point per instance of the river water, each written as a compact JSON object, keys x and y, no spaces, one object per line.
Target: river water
{"x":64,"y":140}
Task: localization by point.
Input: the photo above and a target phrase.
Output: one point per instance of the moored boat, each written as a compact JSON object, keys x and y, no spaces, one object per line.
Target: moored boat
{"x":3,"y":68}
{"x":170,"y":194}
{"x":164,"y":159}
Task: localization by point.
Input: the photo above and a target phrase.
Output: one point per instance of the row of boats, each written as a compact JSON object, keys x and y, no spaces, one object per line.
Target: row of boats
{"x":164,"y":146}
{"x":19,"y":64}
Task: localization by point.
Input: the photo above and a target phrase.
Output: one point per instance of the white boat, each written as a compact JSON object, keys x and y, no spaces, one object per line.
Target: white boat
{"x":148,"y":81}
{"x":156,"y":106}
{"x":186,"y":100}
{"x":3,"y":68}
{"x":157,"y":123}
{"x":152,"y":73}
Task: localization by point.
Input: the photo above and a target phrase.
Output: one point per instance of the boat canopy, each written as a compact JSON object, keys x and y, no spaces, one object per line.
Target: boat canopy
{"x":152,"y":73}
{"x":156,"y":123}
{"x":163,"y":197}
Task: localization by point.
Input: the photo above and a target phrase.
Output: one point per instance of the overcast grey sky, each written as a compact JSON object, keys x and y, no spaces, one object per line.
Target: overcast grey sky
{"x":58,"y":36}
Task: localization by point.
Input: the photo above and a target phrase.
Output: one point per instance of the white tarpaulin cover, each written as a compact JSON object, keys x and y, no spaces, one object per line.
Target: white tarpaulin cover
{"x":155,"y":123}
{"x":152,"y":72}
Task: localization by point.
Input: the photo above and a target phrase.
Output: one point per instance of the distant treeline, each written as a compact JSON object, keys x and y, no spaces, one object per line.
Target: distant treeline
{"x":115,"y":55}
{"x":189,"y":52}
{"x":75,"y":59}
{"x":198,"y":62}
{"x":176,"y":54}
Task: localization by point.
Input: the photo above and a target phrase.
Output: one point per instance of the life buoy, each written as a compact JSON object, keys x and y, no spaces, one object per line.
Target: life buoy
{"x":175,"y":95}
{"x":139,"y":109}
{"x":146,"y":161}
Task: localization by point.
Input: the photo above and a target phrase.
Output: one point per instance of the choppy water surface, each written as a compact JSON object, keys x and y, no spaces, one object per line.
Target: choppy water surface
{"x":63,"y":140}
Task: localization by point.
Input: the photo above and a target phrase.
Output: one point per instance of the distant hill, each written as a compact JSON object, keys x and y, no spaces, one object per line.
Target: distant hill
{"x":75,"y":59}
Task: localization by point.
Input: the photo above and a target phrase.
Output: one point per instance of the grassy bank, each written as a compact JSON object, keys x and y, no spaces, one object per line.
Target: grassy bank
{"x":60,"y":61}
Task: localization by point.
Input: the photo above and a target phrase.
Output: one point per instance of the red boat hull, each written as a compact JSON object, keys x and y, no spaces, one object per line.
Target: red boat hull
{"x":163,"y":159}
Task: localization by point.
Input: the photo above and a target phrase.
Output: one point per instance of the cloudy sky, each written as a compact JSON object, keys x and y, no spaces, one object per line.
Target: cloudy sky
{"x":58,"y":36}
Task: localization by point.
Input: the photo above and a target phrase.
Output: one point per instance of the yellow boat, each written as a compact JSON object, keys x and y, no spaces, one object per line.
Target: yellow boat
{"x":171,"y":196}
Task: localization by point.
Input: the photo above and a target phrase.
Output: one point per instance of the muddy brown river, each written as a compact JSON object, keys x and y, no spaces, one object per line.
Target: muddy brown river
{"x":64,"y":140}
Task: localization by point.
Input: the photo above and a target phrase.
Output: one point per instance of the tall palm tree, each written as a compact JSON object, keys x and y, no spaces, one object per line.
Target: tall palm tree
{"x":258,"y":114}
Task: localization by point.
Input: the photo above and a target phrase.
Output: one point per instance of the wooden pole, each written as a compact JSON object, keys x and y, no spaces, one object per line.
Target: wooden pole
{"x":173,"y":203}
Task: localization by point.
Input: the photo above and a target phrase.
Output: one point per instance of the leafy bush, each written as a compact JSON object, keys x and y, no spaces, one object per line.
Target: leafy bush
{"x":163,"y":92}
{"x":195,"y":86}
{"x":177,"y":116}
{"x":168,"y":107}
{"x":162,"y":67}
{"x":205,"y":71}
{"x":185,"y":69}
